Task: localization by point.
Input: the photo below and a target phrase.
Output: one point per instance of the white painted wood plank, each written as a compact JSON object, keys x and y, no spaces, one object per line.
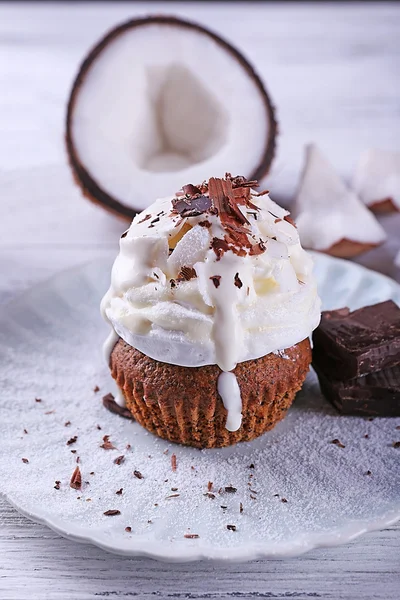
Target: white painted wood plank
{"x":332,"y":71}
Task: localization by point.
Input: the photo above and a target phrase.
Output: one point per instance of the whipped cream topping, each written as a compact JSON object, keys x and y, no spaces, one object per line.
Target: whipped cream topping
{"x":214,"y":275}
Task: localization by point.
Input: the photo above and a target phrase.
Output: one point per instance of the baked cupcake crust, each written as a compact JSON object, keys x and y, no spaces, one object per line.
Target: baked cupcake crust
{"x":182,"y":404}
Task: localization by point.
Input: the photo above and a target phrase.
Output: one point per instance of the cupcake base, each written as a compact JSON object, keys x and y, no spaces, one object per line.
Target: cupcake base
{"x":182,"y":405}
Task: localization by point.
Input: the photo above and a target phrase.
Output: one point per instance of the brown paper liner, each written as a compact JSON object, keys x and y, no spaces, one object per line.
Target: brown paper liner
{"x":182,"y":405}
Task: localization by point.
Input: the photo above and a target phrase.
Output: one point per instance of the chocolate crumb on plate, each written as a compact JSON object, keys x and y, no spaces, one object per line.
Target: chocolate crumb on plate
{"x":172,"y":496}
{"x":209,"y":495}
{"x":173,"y":462}
{"x":241,"y":507}
{"x":107,"y":445}
{"x":112,"y":513}
{"x":119,"y":460}
{"x":67,"y":423}
{"x":191,"y":536}
{"x":230,"y":489}
{"x":338,"y":443}
{"x":368,"y":472}
{"x":73,"y":451}
{"x":396,"y":444}
{"x":25,"y":460}
{"x":119,"y":492}
{"x":284,"y":500}
{"x":209,"y":486}
{"x":96,"y":389}
{"x":138,"y":475}
{"x":231,"y":527}
{"x":57,"y":484}
{"x":25,"y":431}
{"x":76,"y":479}
{"x":128,"y":529}
{"x":38,"y":399}
{"x":110,"y":404}
{"x":72,"y":440}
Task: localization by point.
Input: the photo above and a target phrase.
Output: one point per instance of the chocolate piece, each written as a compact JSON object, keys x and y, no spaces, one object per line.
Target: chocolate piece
{"x":110,"y":404}
{"x":191,"y":207}
{"x":350,"y":344}
{"x":376,"y":394}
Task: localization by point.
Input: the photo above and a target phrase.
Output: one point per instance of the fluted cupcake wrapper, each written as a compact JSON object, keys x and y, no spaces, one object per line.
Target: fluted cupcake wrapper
{"x":182,"y":405}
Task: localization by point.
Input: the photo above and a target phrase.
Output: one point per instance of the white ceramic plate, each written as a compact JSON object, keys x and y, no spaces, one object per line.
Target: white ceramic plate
{"x":50,"y":343}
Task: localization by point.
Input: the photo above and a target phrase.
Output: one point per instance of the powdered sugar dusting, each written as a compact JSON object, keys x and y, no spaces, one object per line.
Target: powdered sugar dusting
{"x":51,"y":350}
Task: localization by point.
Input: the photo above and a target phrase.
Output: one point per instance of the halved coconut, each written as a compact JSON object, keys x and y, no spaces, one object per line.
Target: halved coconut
{"x":330,"y":217}
{"x":160,"y":101}
{"x":377,"y":180}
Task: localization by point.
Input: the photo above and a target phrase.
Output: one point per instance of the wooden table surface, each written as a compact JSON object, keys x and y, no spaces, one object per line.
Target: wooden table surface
{"x":333,"y":72}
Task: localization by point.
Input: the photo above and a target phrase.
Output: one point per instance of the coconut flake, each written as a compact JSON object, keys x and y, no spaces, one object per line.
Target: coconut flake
{"x":330,"y":217}
{"x":377,"y":180}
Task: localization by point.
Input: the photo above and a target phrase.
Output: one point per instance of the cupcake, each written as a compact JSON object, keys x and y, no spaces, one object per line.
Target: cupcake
{"x":212,"y":302}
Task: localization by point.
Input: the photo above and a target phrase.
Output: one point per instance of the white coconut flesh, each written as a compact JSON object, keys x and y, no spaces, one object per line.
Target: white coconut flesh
{"x":328,"y":212}
{"x":163,"y":105}
{"x":377,"y":177}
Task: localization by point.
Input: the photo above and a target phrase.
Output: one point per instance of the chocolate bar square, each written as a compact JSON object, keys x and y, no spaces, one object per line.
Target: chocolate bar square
{"x":376,"y":394}
{"x":348,"y":344}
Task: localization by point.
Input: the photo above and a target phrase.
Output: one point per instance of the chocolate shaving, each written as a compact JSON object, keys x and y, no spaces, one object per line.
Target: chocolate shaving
{"x":124,"y":234}
{"x":73,"y":451}
{"x":283,"y":500}
{"x":25,"y":460}
{"x":231,"y":527}
{"x":98,"y":427}
{"x":128,"y":529}
{"x":289,"y":220}
{"x":119,"y":492}
{"x":238,"y":281}
{"x":230,"y":489}
{"x":145,"y":218}
{"x":219,"y":246}
{"x":209,"y":486}
{"x":216,"y":279}
{"x":110,"y":404}
{"x":119,"y":460}
{"x":76,"y":479}
{"x":67,"y":423}
{"x":72,"y":440}
{"x":191,"y":536}
{"x":57,"y":485}
{"x":209,"y":495}
{"x":173,"y":462}
{"x":138,"y":475}
{"x":186,"y":274}
{"x":172,"y":283}
{"x":172,"y":496}
{"x":338,"y":443}
{"x":78,"y":459}
{"x":241,"y":507}
{"x":205,"y":223}
{"x":155,"y":220}
{"x":107,"y":445}
{"x":38,"y":399}
{"x":49,"y":412}
{"x":25,"y":431}
{"x":112,"y":513}
{"x":258,"y":248}
{"x":191,"y":207}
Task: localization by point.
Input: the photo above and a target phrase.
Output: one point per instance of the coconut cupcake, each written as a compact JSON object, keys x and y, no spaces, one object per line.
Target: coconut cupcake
{"x":212,"y":301}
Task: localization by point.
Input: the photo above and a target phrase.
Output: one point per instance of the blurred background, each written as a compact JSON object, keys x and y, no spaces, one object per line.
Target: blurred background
{"x":331,"y":69}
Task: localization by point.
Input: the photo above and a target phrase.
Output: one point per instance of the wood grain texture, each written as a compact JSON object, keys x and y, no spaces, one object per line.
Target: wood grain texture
{"x":332,"y":71}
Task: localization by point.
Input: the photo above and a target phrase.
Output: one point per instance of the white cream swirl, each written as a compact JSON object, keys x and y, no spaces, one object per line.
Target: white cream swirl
{"x":176,"y":300}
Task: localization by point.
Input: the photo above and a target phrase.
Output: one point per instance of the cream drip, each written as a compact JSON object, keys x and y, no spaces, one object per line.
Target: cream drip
{"x":229,"y":390}
{"x":175,"y":297}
